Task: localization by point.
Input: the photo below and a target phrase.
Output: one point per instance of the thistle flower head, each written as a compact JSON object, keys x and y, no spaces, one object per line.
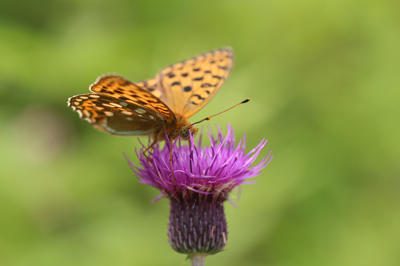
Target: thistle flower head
{"x":201,"y":181}
{"x":215,"y":170}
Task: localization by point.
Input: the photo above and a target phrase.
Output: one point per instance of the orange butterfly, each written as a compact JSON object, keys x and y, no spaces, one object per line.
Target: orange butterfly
{"x":158,"y":105}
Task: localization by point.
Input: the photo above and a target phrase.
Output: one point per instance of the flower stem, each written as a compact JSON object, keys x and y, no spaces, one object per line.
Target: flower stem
{"x":198,"y":259}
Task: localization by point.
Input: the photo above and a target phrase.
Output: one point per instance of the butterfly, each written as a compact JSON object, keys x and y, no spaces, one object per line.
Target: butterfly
{"x":157,"y":106}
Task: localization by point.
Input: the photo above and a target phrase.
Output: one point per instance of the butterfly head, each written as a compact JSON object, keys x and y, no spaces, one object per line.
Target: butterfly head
{"x":186,"y":130}
{"x":182,"y":128}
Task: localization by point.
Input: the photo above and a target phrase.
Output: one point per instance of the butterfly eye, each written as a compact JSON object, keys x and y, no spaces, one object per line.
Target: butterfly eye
{"x":184,"y":132}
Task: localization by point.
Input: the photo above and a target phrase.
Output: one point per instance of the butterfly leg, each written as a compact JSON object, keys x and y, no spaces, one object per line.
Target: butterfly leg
{"x":170,"y":159}
{"x":190,"y":161}
{"x":148,"y":148}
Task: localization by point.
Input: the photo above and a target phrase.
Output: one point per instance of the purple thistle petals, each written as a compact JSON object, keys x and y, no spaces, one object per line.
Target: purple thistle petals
{"x":232,"y":202}
{"x":158,"y":198}
{"x":214,"y":169}
{"x":248,"y":182}
{"x":198,"y":191}
{"x":200,"y":138}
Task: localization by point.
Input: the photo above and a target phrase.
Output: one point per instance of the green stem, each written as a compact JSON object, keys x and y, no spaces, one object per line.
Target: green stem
{"x":198,"y":259}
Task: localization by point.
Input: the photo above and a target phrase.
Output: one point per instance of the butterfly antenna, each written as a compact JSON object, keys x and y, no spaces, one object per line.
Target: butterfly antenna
{"x":209,"y":117}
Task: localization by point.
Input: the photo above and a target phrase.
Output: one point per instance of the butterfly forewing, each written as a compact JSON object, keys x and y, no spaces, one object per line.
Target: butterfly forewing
{"x":115,"y":117}
{"x":125,"y":91}
{"x":191,"y":84}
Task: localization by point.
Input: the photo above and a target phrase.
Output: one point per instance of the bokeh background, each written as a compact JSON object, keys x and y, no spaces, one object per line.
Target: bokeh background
{"x":324,"y":81}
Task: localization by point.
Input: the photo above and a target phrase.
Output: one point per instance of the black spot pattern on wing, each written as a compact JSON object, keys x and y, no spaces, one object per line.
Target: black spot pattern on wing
{"x":190,"y":84}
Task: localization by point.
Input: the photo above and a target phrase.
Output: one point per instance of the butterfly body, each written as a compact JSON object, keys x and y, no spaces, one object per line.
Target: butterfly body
{"x":157,"y":106}
{"x":180,"y":128}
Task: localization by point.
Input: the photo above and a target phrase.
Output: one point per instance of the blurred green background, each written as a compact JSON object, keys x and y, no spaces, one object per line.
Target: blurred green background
{"x":324,"y":81}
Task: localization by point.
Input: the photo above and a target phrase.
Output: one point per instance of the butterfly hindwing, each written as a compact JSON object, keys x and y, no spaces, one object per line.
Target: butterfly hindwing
{"x":151,"y":85}
{"x":110,"y":115}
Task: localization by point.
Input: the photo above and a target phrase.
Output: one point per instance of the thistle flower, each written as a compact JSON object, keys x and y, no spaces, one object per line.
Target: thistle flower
{"x":202,"y":180}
